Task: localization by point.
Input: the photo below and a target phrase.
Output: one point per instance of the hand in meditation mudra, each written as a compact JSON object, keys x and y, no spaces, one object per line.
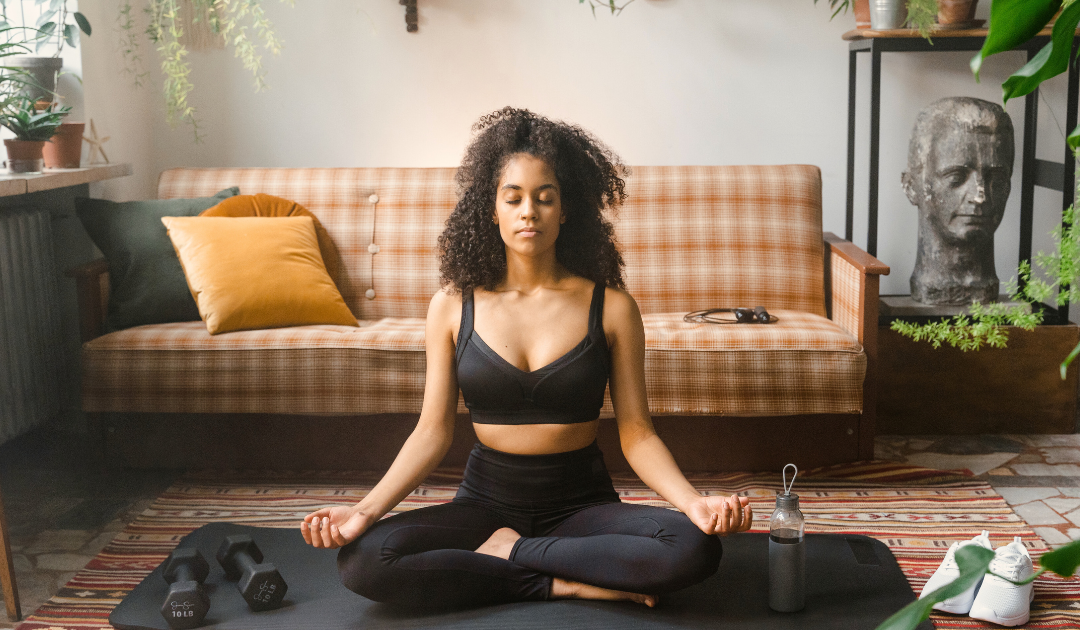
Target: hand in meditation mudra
{"x":960,"y":162}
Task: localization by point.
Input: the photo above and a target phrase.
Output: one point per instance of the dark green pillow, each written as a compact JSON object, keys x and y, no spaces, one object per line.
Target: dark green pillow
{"x":147,"y":284}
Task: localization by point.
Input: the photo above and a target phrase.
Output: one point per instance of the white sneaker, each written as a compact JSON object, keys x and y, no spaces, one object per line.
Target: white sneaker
{"x":1001,"y":601}
{"x":949,"y":571}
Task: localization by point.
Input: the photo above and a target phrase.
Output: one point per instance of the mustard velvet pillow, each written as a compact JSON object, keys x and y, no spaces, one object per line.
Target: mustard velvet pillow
{"x":256,"y":272}
{"x":263,"y":205}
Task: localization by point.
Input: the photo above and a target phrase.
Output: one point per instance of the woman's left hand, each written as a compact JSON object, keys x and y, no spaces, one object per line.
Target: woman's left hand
{"x":721,"y":515}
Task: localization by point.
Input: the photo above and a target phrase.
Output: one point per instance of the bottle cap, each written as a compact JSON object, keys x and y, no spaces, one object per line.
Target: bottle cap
{"x":787,"y":501}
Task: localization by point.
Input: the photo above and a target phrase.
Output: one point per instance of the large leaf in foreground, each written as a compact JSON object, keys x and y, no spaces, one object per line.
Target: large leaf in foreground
{"x":973,"y":561}
{"x":1013,"y":22}
{"x":1064,"y":560}
{"x":1051,"y":61}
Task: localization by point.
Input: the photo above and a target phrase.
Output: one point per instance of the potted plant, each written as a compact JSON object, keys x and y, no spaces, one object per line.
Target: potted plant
{"x":32,"y":129}
{"x":64,"y":149}
{"x":55,"y":26}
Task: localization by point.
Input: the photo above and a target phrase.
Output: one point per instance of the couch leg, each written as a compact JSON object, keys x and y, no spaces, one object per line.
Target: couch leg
{"x":867,"y":429}
{"x":98,"y":442}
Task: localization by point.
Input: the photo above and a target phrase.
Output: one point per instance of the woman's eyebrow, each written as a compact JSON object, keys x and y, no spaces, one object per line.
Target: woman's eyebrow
{"x":516,"y":187}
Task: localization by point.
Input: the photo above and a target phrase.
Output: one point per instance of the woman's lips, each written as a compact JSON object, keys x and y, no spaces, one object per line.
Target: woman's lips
{"x":528,"y":233}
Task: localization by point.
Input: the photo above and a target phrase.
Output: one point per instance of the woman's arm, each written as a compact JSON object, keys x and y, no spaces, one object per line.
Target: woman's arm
{"x":643,"y":448}
{"x":421,"y":453}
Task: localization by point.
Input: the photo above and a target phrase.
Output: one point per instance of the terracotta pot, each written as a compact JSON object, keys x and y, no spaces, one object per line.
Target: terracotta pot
{"x":64,"y":149}
{"x":24,"y":156}
{"x":862,"y":13}
{"x":956,"y":11}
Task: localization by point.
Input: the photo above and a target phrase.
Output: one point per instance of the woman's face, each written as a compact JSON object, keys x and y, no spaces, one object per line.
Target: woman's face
{"x":528,"y":209}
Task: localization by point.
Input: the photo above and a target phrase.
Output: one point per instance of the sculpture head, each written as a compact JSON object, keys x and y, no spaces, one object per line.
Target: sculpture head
{"x":959,"y":173}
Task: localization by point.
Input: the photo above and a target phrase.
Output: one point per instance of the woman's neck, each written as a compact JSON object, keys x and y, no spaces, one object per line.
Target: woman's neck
{"x":528,"y":274}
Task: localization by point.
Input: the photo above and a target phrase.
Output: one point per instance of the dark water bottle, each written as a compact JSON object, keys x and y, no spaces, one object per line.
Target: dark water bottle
{"x":787,"y":552}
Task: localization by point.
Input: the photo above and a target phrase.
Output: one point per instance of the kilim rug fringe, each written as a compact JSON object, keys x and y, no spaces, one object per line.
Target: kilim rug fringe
{"x":917,"y":512}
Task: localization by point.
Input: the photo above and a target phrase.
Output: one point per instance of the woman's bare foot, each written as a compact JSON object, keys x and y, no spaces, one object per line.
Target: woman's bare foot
{"x":565,"y":589}
{"x":500,"y":544}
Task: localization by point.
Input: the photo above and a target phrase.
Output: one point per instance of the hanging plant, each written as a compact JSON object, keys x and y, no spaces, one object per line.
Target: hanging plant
{"x":607,"y":4}
{"x":242,"y":25}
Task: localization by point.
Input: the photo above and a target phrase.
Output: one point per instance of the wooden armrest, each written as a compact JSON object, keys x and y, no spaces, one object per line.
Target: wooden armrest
{"x":92,"y":291}
{"x":855,"y":255}
{"x":853,"y":304}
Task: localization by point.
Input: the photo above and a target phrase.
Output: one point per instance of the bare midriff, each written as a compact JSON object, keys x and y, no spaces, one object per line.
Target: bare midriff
{"x":537,"y":439}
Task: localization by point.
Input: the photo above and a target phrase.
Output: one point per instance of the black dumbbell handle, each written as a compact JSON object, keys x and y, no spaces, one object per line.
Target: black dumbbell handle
{"x":245,"y":562}
{"x":184,"y":574}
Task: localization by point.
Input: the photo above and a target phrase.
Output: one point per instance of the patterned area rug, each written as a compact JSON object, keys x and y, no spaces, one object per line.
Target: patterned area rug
{"x":917,"y":512}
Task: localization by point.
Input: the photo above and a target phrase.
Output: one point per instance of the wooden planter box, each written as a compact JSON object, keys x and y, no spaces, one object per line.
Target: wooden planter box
{"x":1017,"y":389}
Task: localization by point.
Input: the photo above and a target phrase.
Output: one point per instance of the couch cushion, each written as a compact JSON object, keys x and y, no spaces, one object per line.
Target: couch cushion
{"x":697,"y":237}
{"x":693,"y":237}
{"x":376,"y":368}
{"x":803,"y":364}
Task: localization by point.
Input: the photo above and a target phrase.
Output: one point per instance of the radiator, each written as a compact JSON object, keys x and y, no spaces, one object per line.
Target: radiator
{"x":30,"y":333}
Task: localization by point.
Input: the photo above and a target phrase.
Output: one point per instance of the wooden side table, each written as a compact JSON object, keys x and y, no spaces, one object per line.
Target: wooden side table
{"x":7,"y":570}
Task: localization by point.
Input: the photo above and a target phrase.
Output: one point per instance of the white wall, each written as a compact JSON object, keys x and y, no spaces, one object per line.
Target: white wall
{"x":666,"y":82}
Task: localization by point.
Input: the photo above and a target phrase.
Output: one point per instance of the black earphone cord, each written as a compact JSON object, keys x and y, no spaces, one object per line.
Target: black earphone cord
{"x":758,"y":315}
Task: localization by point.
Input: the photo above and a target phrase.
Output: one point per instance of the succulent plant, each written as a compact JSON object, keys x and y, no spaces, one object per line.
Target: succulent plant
{"x":27,"y":123}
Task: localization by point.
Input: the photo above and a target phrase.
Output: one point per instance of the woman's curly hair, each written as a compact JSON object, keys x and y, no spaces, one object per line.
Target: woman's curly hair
{"x":471,"y":250}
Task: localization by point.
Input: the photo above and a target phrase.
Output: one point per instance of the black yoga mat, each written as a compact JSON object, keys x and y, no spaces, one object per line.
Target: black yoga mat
{"x":852,"y":582}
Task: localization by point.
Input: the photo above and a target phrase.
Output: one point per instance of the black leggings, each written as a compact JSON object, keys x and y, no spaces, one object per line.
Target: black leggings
{"x":572,"y":525}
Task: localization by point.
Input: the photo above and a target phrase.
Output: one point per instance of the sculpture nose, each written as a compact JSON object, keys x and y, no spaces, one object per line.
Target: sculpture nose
{"x":980,"y":190}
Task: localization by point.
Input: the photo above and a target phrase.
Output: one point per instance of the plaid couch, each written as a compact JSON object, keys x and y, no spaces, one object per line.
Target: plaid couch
{"x":692,"y":238}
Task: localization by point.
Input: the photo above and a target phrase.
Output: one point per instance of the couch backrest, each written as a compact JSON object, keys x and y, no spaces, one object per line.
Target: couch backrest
{"x":692,"y":236}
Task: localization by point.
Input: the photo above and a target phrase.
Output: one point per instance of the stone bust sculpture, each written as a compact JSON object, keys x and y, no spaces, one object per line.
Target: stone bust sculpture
{"x":960,"y":162}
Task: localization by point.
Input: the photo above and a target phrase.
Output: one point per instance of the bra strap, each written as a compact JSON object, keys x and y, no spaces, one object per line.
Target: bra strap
{"x":466,"y":327}
{"x":596,"y":314}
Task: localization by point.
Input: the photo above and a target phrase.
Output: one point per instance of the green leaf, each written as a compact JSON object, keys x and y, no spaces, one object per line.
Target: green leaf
{"x":1063,"y":560}
{"x":1013,"y":22}
{"x":70,"y":34}
{"x":84,"y":24}
{"x":46,"y":29}
{"x":1069,"y":359}
{"x":45,"y":17}
{"x":1051,"y":61}
{"x":973,"y":562}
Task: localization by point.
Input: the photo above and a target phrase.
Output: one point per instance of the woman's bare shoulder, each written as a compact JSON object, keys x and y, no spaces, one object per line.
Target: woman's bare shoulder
{"x":619,"y":304}
{"x":621,"y":313}
{"x":444,"y":310}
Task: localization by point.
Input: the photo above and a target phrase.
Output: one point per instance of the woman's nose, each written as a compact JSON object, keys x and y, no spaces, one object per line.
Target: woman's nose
{"x":528,"y":210}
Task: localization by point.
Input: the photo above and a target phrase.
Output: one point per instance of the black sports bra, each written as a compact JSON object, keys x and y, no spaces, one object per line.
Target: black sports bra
{"x":568,"y":390}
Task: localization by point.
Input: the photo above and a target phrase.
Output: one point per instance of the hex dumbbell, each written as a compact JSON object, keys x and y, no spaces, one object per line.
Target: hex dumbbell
{"x":187,"y":603}
{"x":259,"y":583}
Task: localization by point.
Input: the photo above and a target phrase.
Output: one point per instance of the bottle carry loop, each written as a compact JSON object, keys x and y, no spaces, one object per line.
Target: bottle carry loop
{"x":787,"y":486}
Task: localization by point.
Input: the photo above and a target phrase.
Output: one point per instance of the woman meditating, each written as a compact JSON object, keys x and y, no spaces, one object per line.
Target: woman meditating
{"x":532,"y":324}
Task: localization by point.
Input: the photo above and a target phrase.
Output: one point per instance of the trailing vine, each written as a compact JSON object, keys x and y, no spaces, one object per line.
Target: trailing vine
{"x":242,"y":24}
{"x":610,"y":4}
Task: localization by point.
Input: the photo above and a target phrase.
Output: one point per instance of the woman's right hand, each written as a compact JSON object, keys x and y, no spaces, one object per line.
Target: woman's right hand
{"x":333,"y":527}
